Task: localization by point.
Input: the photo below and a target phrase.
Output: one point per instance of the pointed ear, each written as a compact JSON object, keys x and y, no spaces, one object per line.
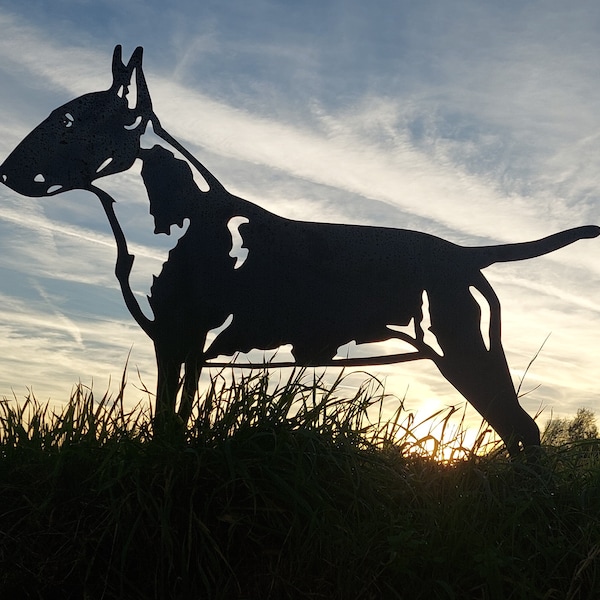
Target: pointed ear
{"x":120,"y":73}
{"x":117,"y":61}
{"x":136,"y":88}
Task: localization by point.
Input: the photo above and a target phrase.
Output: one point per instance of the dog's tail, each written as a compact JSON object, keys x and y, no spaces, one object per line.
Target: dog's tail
{"x":488,"y":255}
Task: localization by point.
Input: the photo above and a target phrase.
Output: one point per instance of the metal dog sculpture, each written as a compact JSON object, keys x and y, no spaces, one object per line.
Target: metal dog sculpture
{"x":315,"y":286}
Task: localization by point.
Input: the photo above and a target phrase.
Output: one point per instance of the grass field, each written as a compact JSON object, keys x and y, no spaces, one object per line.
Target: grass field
{"x":287,"y":491}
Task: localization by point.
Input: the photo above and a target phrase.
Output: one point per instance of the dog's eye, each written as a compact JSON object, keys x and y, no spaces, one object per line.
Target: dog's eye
{"x":68,"y":120}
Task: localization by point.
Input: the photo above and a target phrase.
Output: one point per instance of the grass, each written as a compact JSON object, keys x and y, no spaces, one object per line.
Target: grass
{"x":284,"y":491}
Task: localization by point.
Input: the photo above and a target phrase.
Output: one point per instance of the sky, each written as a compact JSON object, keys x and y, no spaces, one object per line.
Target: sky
{"x":476,"y":121}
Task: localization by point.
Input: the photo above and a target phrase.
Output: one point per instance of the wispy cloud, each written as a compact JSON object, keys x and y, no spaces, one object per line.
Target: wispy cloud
{"x":44,"y":349}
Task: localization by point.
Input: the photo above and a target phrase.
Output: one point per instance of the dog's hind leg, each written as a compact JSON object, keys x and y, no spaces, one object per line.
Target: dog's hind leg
{"x":480,"y":374}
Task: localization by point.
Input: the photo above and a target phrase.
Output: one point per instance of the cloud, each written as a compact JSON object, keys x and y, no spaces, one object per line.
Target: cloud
{"x":45,"y":349}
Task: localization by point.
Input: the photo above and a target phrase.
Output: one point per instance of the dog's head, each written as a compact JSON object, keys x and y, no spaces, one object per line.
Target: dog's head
{"x":92,"y":136}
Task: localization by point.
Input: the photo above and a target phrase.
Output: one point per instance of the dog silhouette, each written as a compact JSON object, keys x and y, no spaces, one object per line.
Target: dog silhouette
{"x":314,"y":286}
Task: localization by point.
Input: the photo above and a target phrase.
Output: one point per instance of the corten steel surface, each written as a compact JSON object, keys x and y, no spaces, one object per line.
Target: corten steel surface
{"x":315,"y":286}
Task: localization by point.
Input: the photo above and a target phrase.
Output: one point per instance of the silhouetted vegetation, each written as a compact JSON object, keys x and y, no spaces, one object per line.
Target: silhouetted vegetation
{"x":288,"y":491}
{"x":563,"y":431}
